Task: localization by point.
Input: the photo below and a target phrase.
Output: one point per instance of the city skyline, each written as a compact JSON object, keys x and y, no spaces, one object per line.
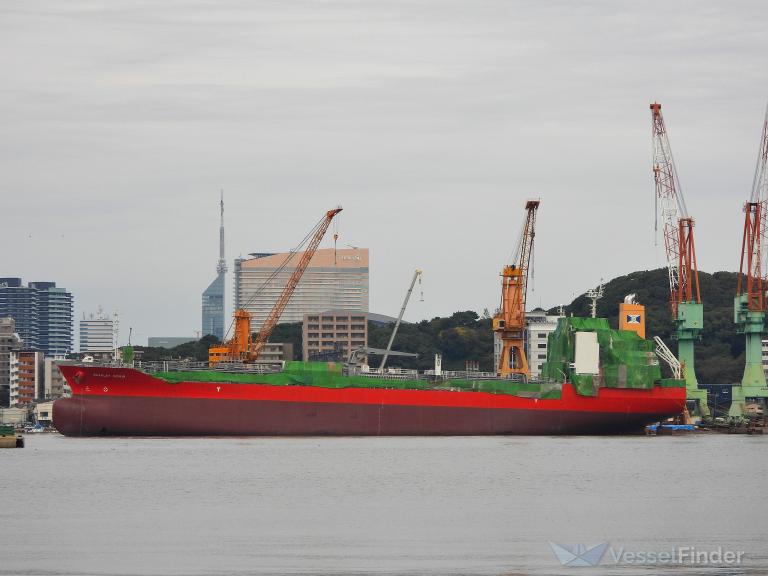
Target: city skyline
{"x":430,"y":131}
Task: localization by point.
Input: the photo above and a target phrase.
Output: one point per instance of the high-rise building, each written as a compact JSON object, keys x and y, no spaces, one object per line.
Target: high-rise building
{"x":97,"y":334}
{"x":20,"y":303}
{"x":213,"y":297}
{"x":334,"y":280}
{"x":42,"y":313}
{"x":54,"y":318}
{"x":9,"y":341}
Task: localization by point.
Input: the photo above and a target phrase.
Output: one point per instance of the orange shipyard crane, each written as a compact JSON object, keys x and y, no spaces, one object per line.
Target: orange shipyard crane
{"x":685,"y":296}
{"x":509,"y":320}
{"x":246,"y":347}
{"x":749,"y":306}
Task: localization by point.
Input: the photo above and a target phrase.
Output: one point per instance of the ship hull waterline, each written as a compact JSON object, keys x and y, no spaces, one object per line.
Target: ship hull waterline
{"x":128,"y":402}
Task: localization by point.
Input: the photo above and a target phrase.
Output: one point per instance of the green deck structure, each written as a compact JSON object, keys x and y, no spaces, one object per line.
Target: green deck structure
{"x":626,"y":360}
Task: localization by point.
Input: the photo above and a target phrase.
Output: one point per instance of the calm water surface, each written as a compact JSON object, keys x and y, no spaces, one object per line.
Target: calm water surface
{"x":168,"y":506}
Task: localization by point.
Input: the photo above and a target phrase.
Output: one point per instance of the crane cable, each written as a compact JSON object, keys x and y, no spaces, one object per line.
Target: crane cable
{"x":278,"y":270}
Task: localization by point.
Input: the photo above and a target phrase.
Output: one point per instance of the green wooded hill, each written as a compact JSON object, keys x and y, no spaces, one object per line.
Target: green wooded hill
{"x":467,"y":336}
{"x":720,"y":352}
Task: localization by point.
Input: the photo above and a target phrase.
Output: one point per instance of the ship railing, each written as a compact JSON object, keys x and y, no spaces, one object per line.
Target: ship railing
{"x":228,"y":367}
{"x":464,"y":375}
{"x":399,"y":375}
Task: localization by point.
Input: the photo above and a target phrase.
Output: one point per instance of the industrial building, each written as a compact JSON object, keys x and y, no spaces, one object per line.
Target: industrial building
{"x":212,"y":318}
{"x":333,"y":280}
{"x":333,"y":331}
{"x":42,"y":313}
{"x":168,"y":341}
{"x":97,"y":334}
{"x":276,"y":352}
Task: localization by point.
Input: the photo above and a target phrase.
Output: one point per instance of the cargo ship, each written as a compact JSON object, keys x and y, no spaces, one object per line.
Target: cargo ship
{"x":596,"y":380}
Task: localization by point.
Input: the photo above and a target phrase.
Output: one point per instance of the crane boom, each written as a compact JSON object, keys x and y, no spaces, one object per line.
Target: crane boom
{"x":416,"y":275}
{"x":282,"y":301}
{"x":751,"y":280}
{"x":678,"y":225}
{"x":509,"y":321}
{"x":243,"y":346}
{"x":749,"y":305}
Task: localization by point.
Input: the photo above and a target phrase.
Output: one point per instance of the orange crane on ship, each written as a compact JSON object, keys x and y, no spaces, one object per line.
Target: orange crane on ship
{"x":509,"y":320}
{"x":246,"y":347}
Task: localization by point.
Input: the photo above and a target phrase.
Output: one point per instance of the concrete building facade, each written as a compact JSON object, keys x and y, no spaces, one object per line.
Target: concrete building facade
{"x":9,"y":341}
{"x":539,"y":325}
{"x":54,"y":384}
{"x":333,"y":331}
{"x":27,"y":377}
{"x":42,"y":313}
{"x":276,"y":352}
{"x":334,"y":280}
{"x":97,"y":334}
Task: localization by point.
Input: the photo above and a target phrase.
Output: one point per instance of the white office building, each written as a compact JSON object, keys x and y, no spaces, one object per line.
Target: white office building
{"x":97,"y":334}
{"x":539,"y":325}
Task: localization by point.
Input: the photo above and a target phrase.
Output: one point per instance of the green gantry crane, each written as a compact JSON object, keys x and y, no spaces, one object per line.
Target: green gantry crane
{"x":749,"y":306}
{"x":685,"y":297}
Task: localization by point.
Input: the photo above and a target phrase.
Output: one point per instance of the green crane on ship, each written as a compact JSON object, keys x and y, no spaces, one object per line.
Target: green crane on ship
{"x":685,"y":296}
{"x":749,"y":306}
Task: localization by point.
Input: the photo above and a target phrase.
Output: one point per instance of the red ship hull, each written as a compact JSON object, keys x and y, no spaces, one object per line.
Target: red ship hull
{"x":124,"y":401}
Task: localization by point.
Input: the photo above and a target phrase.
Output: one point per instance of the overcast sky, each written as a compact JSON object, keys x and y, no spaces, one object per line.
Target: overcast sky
{"x":430,"y":122}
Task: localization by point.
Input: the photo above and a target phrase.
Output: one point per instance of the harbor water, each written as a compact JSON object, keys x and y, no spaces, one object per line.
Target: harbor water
{"x":432,"y":506}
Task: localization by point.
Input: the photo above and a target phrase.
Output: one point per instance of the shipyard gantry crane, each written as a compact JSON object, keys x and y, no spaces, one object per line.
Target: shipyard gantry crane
{"x":244,"y":346}
{"x":685,"y":296}
{"x":749,"y":306}
{"x":509,"y":320}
